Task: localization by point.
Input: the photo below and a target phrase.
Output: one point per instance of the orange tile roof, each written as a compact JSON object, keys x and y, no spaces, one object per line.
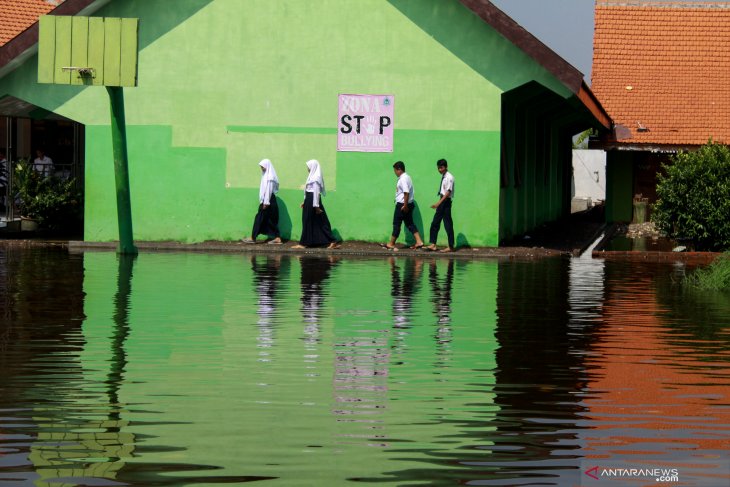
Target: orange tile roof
{"x":665,"y":66}
{"x":18,"y":15}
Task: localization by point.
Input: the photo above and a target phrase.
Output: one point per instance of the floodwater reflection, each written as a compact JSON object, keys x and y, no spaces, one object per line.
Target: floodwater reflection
{"x":193,"y":369}
{"x":441,"y":288}
{"x":314,"y":274}
{"x":266,"y":272}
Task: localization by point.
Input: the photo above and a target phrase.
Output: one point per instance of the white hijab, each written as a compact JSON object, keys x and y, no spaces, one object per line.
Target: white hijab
{"x":315,"y":175}
{"x":268,"y":175}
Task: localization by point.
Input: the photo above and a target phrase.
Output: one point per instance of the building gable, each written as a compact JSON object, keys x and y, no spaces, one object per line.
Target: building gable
{"x":226,"y":83}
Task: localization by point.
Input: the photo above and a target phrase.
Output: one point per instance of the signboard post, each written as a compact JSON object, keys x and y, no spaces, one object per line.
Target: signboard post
{"x":97,"y":51}
{"x":121,"y":170}
{"x":365,"y":123}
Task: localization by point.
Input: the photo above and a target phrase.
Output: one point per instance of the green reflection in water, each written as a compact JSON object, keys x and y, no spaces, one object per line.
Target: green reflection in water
{"x":89,"y":440}
{"x":304,"y":371}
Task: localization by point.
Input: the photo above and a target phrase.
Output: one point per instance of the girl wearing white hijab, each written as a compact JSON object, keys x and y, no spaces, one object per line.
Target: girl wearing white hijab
{"x":316,"y":229}
{"x":267,"y":218}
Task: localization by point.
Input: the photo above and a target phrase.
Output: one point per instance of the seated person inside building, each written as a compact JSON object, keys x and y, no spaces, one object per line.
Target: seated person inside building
{"x":43,"y":164}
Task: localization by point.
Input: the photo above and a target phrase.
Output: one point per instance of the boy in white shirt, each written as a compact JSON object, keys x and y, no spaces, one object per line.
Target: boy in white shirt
{"x":404,"y":206}
{"x":443,"y":208}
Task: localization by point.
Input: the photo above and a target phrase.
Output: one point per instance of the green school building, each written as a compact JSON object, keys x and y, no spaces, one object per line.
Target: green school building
{"x":223,"y":84}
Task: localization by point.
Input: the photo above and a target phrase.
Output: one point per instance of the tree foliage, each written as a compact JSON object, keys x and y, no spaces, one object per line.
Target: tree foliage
{"x":693,"y":197}
{"x":581,"y":140}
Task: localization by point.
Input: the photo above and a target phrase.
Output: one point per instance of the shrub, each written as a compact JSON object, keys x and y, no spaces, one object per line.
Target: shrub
{"x":693,"y":197}
{"x":53,"y":202}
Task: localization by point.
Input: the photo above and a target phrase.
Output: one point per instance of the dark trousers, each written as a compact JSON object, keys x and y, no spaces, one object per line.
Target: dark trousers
{"x":316,"y":228}
{"x":400,"y":217}
{"x":443,"y":212}
{"x":267,"y":220}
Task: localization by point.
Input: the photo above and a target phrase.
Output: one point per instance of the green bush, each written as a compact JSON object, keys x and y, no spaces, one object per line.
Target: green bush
{"x":53,"y":202}
{"x":693,"y":197}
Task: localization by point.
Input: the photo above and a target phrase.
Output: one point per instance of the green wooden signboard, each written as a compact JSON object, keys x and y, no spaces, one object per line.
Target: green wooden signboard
{"x":100,"y":51}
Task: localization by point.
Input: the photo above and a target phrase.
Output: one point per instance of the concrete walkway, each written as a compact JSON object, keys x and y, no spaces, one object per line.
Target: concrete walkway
{"x":347,"y":248}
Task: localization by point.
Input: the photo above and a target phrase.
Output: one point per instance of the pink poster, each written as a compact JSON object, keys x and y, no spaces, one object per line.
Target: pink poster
{"x":365,"y":123}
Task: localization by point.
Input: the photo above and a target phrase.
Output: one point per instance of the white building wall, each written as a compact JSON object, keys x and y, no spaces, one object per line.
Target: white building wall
{"x":589,"y":177}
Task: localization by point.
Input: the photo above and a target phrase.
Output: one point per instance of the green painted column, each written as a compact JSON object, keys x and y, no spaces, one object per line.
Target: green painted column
{"x":121,"y":171}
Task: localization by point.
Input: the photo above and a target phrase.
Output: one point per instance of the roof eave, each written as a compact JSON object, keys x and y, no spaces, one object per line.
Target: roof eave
{"x":566,"y":73}
{"x":25,"y":44}
{"x":531,"y":45}
{"x":588,"y":98}
{"x":612,"y":145}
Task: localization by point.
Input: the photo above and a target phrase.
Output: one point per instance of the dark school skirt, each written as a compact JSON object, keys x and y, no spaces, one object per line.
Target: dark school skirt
{"x":267,"y":220}
{"x":316,"y":228}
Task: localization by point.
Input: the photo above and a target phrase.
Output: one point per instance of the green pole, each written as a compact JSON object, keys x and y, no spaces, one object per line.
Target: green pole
{"x":121,"y":171}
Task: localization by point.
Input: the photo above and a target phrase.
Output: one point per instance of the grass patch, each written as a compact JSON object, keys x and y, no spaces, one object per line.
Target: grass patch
{"x":715,"y":277}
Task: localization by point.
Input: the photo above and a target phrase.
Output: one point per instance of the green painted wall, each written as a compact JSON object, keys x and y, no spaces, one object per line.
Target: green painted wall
{"x":536,"y":158}
{"x":619,"y":186}
{"x":225,"y":83}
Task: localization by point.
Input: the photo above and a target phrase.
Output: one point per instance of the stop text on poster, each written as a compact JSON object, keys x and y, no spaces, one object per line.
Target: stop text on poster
{"x":365,"y":123}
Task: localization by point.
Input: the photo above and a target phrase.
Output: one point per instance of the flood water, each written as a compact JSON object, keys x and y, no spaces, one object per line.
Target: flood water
{"x":198,"y":369}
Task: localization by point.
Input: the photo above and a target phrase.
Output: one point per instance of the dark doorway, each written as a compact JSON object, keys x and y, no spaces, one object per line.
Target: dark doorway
{"x":26,"y":129}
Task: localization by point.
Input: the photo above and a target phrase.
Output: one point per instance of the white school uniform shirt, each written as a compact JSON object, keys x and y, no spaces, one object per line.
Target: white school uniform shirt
{"x":315,"y":189}
{"x":404,"y":185}
{"x":447,"y":184}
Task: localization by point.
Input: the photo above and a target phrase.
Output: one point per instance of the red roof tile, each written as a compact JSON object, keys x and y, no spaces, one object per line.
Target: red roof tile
{"x":18,"y":15}
{"x":664,"y":67}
